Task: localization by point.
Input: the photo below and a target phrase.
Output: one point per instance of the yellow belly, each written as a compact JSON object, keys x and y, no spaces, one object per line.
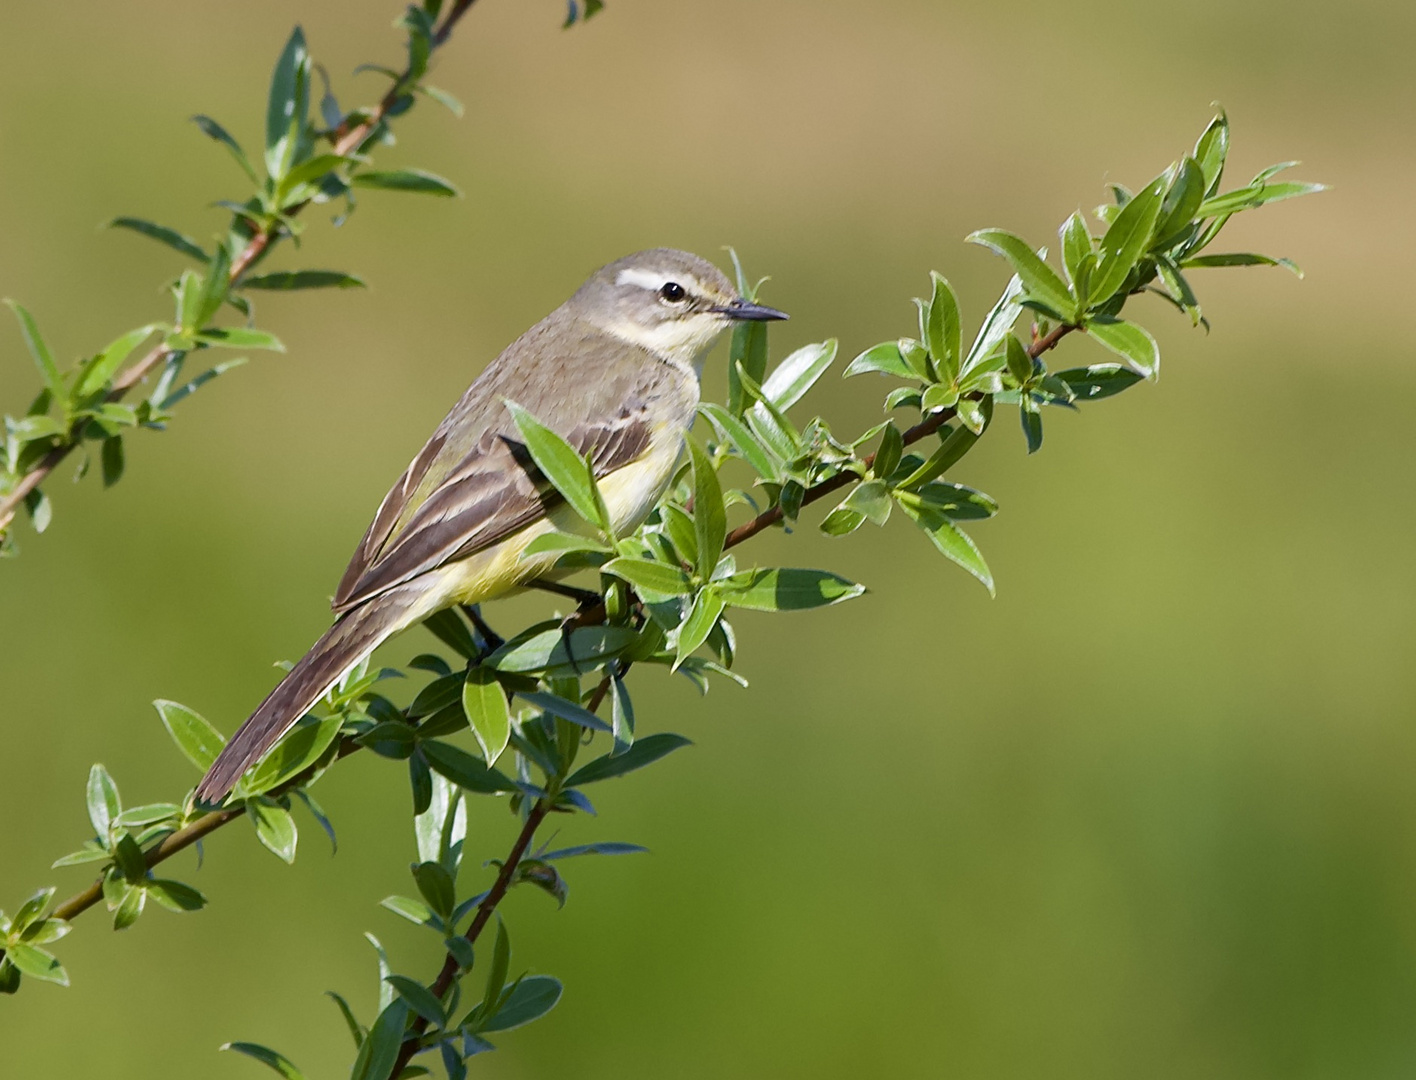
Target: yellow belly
{"x":630,"y":493}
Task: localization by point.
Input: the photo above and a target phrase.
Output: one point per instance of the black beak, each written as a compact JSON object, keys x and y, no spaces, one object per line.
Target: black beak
{"x":741,"y":309}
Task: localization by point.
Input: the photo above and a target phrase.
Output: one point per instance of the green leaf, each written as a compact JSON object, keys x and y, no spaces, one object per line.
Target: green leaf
{"x":951,"y":541}
{"x":787,"y":589}
{"x":748,"y":348}
{"x":146,"y":815}
{"x":997,"y":324}
{"x":887,"y":457}
{"x":196,"y":738}
{"x":566,"y":710}
{"x":604,"y":847}
{"x":871,"y":499}
{"x":1020,"y":364}
{"x":356,"y":1029}
{"x":533,"y":997}
{"x":1239,"y":258}
{"x":213,"y":130}
{"x":1211,"y":150}
{"x":944,"y":329}
{"x":1099,"y":380}
{"x":702,"y":617}
{"x":129,"y":907}
{"x":622,"y":712}
{"x":420,"y":999}
{"x":735,"y":432}
{"x":267,"y":1056}
{"x":1032,"y":425}
{"x":305,"y":177}
{"x":496,"y":973}
{"x":112,"y":460}
{"x":187,"y":389}
{"x":176,"y":895}
{"x":43,"y":359}
{"x":484,"y":702}
{"x":46,"y":930}
{"x":305,"y":744}
{"x":1130,"y":342}
{"x":841,"y":522}
{"x":418,"y":180}
{"x":710,"y":519}
{"x":37,"y":964}
{"x":1126,"y":240}
{"x":463,"y":769}
{"x":453,"y":633}
{"x":442,"y":97}
{"x":239,"y":337}
{"x":562,"y":466}
{"x":287,"y":107}
{"x":103,"y":802}
{"x":654,"y":577}
{"x":303,"y":279}
{"x":645,"y":751}
{"x":1039,"y":280}
{"x":798,"y":373}
{"x":414,"y":911}
{"x":885,"y":357}
{"x":550,"y":649}
{"x":275,"y":828}
{"x":32,"y":909}
{"x":1077,"y":256}
{"x":1181,"y":201}
{"x":1232,"y":202}
{"x":163,"y":235}
{"x":436,"y":886}
{"x":379,"y":1053}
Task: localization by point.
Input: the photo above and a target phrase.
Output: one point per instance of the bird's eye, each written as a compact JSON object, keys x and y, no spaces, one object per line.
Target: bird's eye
{"x":673,"y":292}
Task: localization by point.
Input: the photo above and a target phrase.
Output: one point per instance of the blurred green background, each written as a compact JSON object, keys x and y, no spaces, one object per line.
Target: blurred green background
{"x":1149,"y":813}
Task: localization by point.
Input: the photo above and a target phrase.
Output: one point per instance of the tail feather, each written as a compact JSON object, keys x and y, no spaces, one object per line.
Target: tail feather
{"x":343,"y":645}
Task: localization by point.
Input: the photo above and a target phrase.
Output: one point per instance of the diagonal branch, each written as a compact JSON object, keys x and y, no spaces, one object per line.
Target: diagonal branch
{"x":926,"y":427}
{"x":346,"y":139}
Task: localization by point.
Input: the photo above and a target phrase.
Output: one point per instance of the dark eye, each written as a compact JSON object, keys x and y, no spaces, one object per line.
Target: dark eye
{"x":673,"y":292}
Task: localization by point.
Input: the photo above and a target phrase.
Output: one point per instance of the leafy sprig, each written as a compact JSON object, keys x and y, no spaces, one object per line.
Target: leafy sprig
{"x":664,"y":598}
{"x":313,"y":154}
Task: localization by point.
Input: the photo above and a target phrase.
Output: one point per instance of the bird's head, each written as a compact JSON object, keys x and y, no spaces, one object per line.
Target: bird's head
{"x":670,"y":302}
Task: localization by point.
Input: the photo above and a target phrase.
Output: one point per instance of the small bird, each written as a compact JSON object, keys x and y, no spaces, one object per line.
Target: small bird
{"x":614,"y":371}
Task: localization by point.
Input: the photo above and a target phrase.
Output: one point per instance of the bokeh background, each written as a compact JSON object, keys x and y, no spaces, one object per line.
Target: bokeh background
{"x":1148,"y":813}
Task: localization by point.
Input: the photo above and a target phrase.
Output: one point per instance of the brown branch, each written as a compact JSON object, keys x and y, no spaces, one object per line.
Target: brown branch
{"x":188,"y":835}
{"x":346,"y":140}
{"x":926,"y":427}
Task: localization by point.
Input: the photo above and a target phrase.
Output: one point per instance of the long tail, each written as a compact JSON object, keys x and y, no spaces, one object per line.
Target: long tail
{"x":343,"y":645}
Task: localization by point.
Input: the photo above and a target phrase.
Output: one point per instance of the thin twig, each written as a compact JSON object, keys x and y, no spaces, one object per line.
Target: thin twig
{"x":489,"y":903}
{"x":926,"y":427}
{"x":346,"y":141}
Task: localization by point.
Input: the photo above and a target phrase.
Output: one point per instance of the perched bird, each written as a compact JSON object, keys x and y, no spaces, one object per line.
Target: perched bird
{"x":614,"y":371}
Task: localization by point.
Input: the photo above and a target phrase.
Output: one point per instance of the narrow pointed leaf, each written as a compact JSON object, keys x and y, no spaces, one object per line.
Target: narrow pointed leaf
{"x":194,"y":736}
{"x":163,"y":235}
{"x":1125,"y":241}
{"x":416,"y":180}
{"x":646,"y":750}
{"x":710,"y":520}
{"x":1039,"y":280}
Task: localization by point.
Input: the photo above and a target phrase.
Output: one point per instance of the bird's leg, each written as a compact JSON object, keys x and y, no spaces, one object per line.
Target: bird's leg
{"x":584,"y":598}
{"x":490,"y":638}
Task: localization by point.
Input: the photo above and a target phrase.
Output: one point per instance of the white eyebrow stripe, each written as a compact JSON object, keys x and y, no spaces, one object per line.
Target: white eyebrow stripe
{"x":656,"y":279}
